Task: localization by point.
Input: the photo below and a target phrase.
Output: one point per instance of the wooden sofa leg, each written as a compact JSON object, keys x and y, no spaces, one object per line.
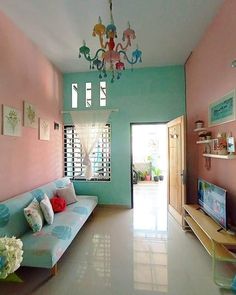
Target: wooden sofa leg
{"x":54,"y":270}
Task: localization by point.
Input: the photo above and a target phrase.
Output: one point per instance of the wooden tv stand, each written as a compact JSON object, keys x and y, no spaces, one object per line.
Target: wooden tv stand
{"x":217,"y":243}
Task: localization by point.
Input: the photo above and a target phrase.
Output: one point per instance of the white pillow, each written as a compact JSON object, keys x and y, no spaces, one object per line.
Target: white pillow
{"x":67,"y":193}
{"x":34,"y":216}
{"x":47,"y":210}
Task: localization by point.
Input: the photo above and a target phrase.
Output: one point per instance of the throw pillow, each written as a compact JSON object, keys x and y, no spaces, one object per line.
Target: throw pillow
{"x":58,"y":204}
{"x":47,"y":209}
{"x":67,"y":193}
{"x":34,"y":216}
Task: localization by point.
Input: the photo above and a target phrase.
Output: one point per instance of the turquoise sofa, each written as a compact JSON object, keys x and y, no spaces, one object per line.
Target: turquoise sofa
{"x":44,"y":248}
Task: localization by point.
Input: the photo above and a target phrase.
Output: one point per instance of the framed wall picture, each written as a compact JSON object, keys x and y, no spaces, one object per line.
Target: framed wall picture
{"x":223,"y":110}
{"x":44,"y":129}
{"x":11,"y":121}
{"x":231,"y":145}
{"x":30,"y":115}
{"x":215,"y":144}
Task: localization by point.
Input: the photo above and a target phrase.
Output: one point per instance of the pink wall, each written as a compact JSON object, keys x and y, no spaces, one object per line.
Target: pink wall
{"x":209,"y":76}
{"x":25,"y":74}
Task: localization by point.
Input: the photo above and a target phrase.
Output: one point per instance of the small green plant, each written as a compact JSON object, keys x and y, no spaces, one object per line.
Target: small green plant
{"x":142,"y":175}
{"x":156,"y":171}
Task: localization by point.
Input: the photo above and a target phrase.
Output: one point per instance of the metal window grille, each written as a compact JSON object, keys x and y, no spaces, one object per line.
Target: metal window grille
{"x":100,"y":157}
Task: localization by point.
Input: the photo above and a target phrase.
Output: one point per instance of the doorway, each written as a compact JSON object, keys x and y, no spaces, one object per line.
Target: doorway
{"x":149,"y":165}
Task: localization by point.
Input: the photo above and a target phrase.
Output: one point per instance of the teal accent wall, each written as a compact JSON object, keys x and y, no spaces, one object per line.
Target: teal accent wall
{"x":145,"y":95}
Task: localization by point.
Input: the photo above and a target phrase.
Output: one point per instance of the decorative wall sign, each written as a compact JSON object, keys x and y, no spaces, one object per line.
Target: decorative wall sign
{"x":30,"y":115}
{"x":231,"y":145}
{"x":11,"y":121}
{"x":215,"y":146}
{"x":44,"y":129}
{"x":223,"y":110}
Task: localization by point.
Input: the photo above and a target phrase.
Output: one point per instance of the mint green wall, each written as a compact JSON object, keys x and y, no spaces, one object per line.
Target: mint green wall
{"x":144,"y":95}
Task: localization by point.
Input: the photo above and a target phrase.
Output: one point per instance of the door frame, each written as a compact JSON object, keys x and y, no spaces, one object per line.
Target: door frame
{"x":131,"y":153}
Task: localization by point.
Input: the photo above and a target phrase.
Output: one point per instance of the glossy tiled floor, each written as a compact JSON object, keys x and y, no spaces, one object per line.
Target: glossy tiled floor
{"x":127,"y":252}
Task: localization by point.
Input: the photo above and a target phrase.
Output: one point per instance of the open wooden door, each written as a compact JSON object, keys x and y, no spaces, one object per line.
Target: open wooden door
{"x":176,"y":167}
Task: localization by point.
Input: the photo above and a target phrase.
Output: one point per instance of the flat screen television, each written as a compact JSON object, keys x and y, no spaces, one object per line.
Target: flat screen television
{"x":212,"y":200}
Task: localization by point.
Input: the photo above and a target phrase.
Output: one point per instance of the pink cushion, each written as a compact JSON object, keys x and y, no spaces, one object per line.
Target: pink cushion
{"x":67,"y":193}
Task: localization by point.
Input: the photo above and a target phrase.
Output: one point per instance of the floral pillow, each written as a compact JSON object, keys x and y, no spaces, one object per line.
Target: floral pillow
{"x":34,"y":216}
{"x":67,"y":193}
{"x":47,"y":210}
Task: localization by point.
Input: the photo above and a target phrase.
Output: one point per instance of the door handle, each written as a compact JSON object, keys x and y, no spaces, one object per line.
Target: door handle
{"x":183,"y":176}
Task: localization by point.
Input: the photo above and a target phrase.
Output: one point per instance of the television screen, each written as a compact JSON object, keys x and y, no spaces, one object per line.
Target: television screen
{"x":212,"y":200}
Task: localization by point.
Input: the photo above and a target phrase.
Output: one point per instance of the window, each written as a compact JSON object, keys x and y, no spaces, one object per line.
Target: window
{"x":74,"y":95}
{"x":100,"y":157}
{"x":103,"y":94}
{"x":88,"y":94}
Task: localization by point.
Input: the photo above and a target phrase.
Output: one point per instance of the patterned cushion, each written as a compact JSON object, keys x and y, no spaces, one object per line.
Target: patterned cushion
{"x":67,"y":193}
{"x":47,"y":209}
{"x":34,"y":216}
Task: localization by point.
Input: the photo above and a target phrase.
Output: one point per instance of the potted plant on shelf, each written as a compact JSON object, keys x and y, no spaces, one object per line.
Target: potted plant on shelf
{"x":156,"y":173}
{"x":141,"y":175}
{"x":147,"y":176}
{"x":208,"y":135}
{"x":199,"y":124}
{"x":161,"y":177}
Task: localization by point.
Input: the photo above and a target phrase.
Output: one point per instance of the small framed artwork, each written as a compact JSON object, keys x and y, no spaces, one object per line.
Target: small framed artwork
{"x":231,"y":145}
{"x":11,"y":121}
{"x":44,"y":129}
{"x":30,"y":115}
{"x":223,"y":110}
{"x":215,"y":144}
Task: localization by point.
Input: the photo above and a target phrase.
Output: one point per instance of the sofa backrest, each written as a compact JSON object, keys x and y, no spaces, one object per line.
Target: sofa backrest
{"x":12,"y":219}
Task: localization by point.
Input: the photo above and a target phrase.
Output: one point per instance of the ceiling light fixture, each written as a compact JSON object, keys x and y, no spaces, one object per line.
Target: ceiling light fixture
{"x":110,"y":56}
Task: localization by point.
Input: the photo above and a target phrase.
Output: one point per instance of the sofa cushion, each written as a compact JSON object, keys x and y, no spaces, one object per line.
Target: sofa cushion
{"x":43,"y":249}
{"x":34,"y":215}
{"x":47,"y":210}
{"x":67,"y":193}
{"x":58,"y":204}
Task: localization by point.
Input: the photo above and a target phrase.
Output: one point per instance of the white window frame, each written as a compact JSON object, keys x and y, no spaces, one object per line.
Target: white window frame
{"x":88,"y":94}
{"x":103,"y":94}
{"x":74,"y":95}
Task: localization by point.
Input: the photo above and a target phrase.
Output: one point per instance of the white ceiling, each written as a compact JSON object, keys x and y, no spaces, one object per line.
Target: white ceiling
{"x":166,"y":30}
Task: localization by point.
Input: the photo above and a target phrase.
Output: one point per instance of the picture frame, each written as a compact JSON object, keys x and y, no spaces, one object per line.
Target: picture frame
{"x":11,"y":121}
{"x":223,"y":110}
{"x":231,"y":145}
{"x":30,"y":115}
{"x":215,"y":143}
{"x":44,"y":129}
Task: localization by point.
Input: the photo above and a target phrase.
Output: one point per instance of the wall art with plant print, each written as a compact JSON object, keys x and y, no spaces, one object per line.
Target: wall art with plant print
{"x":44,"y":129}
{"x":11,"y":121}
{"x":223,"y":110}
{"x":30,"y":115}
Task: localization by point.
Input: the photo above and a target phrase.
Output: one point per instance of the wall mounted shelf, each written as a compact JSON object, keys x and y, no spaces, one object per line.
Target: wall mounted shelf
{"x":200,"y":129}
{"x":225,"y":157}
{"x":204,"y":141}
